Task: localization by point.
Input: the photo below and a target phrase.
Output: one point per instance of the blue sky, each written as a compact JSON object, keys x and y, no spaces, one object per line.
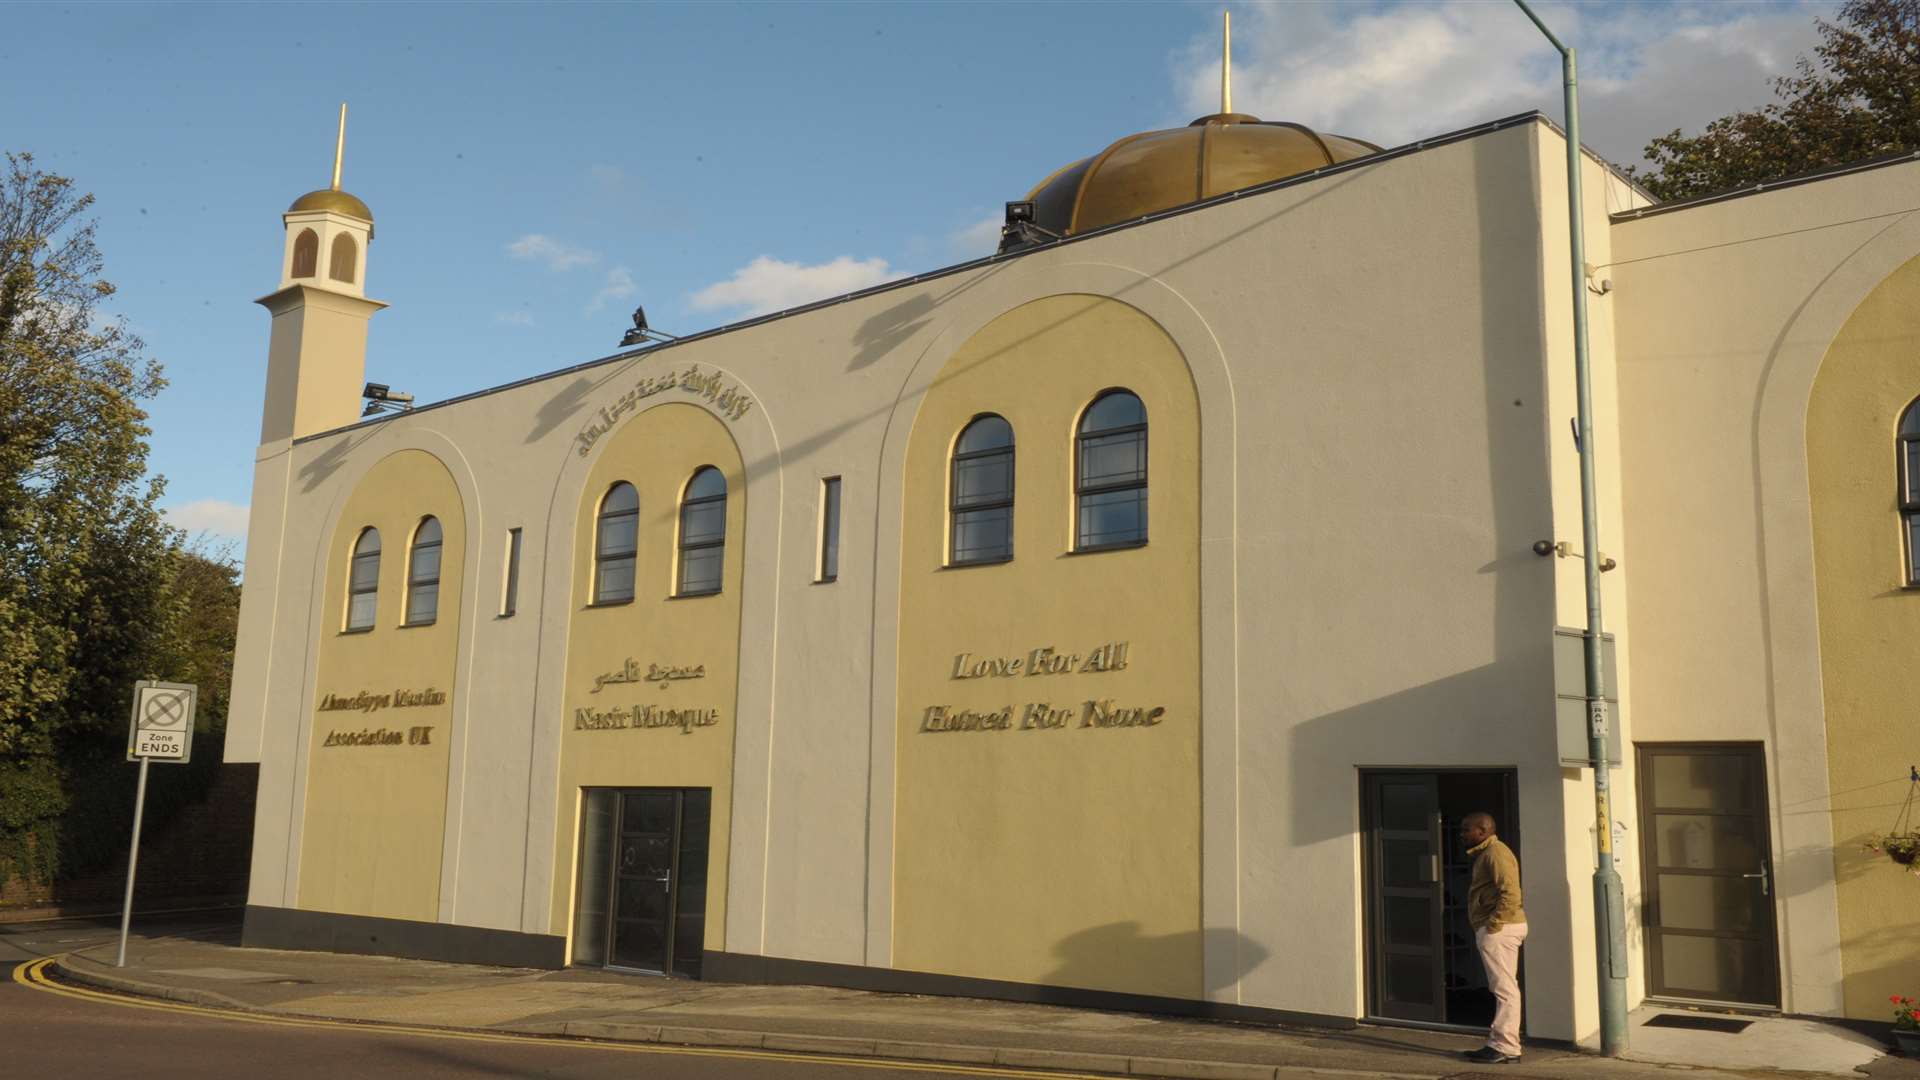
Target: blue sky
{"x":535,"y":171}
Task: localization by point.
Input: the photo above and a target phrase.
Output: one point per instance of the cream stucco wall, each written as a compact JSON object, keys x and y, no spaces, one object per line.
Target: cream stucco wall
{"x":1053,"y":850}
{"x":657,"y":451}
{"x":1869,"y":627}
{"x":1723,"y":315}
{"x":1367,"y":494}
{"x":376,"y":808}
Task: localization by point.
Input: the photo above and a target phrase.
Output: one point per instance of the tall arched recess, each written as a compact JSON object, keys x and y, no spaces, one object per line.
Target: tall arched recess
{"x":384,"y":711}
{"x":1869,"y":618}
{"x":651,"y":695}
{"x":1047,"y":771}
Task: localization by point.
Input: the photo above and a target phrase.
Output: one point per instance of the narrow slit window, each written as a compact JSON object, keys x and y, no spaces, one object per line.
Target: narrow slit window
{"x":1909,"y":466}
{"x":1110,"y":474}
{"x":510,"y":589}
{"x":363,"y":581}
{"x":980,"y":503}
{"x":703,"y":533}
{"x":616,"y":540}
{"x":829,"y":529}
{"x":423,"y":574}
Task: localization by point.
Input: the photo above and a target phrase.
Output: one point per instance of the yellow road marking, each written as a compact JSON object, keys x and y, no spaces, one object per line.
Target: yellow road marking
{"x":32,"y":975}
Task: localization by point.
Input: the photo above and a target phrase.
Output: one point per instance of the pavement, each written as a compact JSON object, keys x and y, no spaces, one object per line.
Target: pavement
{"x":214,"y":971}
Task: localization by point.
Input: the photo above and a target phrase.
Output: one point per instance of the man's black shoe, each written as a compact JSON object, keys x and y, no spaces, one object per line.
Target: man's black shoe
{"x":1487,"y":1055}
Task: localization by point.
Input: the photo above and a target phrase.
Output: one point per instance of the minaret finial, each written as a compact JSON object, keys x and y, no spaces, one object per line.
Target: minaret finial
{"x":1226,"y":62}
{"x":340,"y":146}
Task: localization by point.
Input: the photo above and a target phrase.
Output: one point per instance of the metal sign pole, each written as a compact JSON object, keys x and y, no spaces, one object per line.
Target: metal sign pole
{"x":133,"y":860}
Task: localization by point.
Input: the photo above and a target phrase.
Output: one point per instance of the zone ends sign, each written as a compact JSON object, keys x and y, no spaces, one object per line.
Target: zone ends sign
{"x":162,"y":727}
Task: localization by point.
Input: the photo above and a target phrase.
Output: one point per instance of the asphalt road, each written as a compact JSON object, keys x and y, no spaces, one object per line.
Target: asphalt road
{"x":53,"y":1030}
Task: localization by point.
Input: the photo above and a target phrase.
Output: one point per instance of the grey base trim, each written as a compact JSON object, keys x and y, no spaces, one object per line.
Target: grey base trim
{"x":365,"y":935}
{"x":778,"y":971}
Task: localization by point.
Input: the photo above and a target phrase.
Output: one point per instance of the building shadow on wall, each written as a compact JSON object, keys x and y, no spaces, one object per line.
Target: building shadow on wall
{"x":572,"y":398}
{"x":315,"y":472}
{"x":1089,"y":958}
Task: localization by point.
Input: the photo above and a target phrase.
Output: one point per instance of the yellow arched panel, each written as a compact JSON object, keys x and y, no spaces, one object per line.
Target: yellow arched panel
{"x":383,"y":709}
{"x":623,"y":728}
{"x":1047,"y":801}
{"x":1869,"y":627}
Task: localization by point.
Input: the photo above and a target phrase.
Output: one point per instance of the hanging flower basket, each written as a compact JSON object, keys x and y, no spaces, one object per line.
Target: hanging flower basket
{"x":1902,"y":842}
{"x":1903,"y":848}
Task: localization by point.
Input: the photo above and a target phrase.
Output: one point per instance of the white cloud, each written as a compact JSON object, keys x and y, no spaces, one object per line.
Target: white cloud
{"x":619,"y":286}
{"x":1391,"y":74}
{"x":768,"y":284}
{"x":216,"y":516}
{"x":517,"y":317}
{"x":980,"y":238}
{"x":556,"y":255}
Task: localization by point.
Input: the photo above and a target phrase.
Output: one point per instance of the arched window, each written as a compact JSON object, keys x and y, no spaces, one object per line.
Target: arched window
{"x":614,"y":544}
{"x":1110,"y":474}
{"x":423,"y":574}
{"x":703,"y":532}
{"x":1910,"y":489}
{"x":340,"y":265}
{"x":363,"y":581}
{"x":981,"y":493}
{"x":306,"y":253}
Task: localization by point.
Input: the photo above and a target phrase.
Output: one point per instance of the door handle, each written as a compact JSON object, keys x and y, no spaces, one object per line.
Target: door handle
{"x":1433,"y":868}
{"x":1762,"y":875}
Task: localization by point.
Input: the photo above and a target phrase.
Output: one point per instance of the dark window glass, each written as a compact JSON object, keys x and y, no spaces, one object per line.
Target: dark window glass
{"x":616,"y":539}
{"x":1909,"y":466}
{"x":1110,"y":474}
{"x":830,"y":529}
{"x":423,"y":575}
{"x":703,"y":532}
{"x":306,"y":253}
{"x":981,"y":499}
{"x":363,"y":581}
{"x":340,"y":265}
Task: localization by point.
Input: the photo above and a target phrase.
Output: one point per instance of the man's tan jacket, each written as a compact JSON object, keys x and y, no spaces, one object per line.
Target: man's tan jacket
{"x":1493,"y":898}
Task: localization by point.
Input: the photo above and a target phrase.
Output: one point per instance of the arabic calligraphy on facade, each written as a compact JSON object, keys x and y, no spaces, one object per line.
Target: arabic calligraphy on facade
{"x":726,"y":398}
{"x":663,"y":674}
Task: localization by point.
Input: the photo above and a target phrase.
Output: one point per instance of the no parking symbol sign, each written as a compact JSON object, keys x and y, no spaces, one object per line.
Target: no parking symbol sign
{"x":162,"y":727}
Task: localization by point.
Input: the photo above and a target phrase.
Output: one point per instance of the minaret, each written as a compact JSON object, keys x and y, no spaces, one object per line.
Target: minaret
{"x":316,"y":366}
{"x":316,"y":360}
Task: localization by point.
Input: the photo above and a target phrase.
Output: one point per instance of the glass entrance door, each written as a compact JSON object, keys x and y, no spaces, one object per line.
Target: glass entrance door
{"x":1707,"y":849}
{"x":1405,"y":900}
{"x":643,"y":879}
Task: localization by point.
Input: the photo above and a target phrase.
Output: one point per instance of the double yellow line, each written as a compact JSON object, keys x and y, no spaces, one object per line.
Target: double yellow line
{"x":33,"y":975}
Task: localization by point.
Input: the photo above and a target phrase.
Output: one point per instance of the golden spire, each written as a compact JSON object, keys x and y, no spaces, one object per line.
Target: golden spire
{"x":1226,"y":66}
{"x":340,"y":146}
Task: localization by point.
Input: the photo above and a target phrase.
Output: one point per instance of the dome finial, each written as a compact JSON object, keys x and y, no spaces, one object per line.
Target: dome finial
{"x":1226,"y":62}
{"x":340,"y":146}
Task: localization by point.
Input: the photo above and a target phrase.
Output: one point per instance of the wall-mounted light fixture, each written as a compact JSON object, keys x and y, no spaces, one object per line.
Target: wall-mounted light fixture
{"x":642,"y":334}
{"x":1021,"y":230}
{"x":382,"y":398}
{"x":1564,"y":549}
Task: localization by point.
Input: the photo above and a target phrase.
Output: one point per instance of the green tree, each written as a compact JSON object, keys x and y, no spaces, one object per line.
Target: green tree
{"x":87,"y":565}
{"x":1859,"y":98}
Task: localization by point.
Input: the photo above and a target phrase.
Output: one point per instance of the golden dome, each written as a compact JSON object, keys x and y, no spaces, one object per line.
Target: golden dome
{"x":1158,"y":170}
{"x":332,"y":199}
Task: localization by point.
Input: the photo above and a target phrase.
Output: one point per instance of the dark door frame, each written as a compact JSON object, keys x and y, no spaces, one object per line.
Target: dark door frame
{"x":670,"y":930}
{"x":1650,"y":865}
{"x":1373,"y":958}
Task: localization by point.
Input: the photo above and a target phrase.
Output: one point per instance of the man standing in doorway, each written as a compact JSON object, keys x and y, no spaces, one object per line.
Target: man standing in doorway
{"x":1499,"y":926}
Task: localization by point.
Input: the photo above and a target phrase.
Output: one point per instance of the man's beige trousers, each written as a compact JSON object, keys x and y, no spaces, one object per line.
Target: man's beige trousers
{"x":1500,"y":952}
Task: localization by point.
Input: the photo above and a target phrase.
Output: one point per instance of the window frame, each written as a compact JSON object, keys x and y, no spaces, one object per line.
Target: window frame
{"x":510,"y":577}
{"x":1907,"y":497}
{"x":354,"y":555}
{"x":827,"y":566}
{"x":414,"y":580}
{"x":955,"y":509}
{"x":596,"y":596}
{"x":682,"y":546}
{"x":343,"y":242}
{"x":306,"y":243}
{"x":1082,"y":489}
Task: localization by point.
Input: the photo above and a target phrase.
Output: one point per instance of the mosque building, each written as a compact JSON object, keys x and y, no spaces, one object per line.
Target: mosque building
{"x":1129,"y":617}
